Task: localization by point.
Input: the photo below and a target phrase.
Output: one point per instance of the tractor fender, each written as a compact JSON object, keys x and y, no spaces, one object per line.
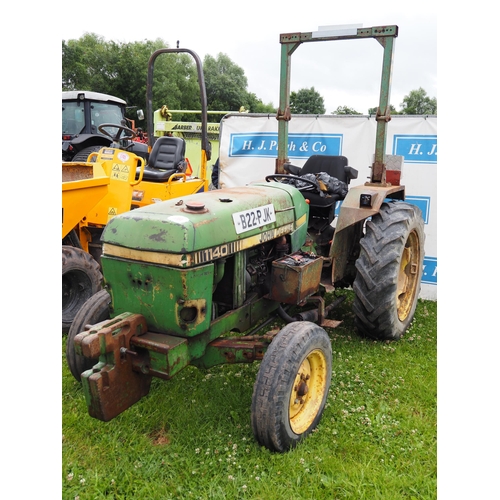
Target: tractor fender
{"x":360,"y":203}
{"x":87,"y":140}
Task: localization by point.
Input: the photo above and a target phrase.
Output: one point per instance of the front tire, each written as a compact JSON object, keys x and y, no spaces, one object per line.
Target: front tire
{"x":95,"y":310}
{"x":292,"y":385}
{"x":81,"y":278}
{"x":389,"y":271}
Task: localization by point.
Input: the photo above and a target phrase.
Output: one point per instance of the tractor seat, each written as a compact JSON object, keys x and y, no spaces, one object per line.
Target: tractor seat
{"x":166,"y":158}
{"x":322,"y":208}
{"x":334,"y":166}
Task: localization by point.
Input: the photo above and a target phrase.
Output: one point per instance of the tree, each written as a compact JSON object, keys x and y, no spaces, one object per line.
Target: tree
{"x":175,"y":84}
{"x":373,"y":111}
{"x":307,"y":101}
{"x":226,"y":83}
{"x":255,"y":105}
{"x":85,"y":63}
{"x":418,"y":103}
{"x":344,"y":110}
{"x":120,"y":69}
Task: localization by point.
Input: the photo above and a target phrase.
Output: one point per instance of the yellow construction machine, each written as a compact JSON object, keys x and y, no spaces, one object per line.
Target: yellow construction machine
{"x":113,"y":181}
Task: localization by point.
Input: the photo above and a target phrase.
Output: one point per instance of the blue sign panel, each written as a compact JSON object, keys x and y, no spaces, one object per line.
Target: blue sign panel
{"x":265,"y":145}
{"x":422,"y":202}
{"x":416,"y":148}
{"x":429,"y":275}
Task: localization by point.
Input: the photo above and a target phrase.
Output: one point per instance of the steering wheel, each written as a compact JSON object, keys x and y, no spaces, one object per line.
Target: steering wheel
{"x":117,"y":136}
{"x":281,"y":177}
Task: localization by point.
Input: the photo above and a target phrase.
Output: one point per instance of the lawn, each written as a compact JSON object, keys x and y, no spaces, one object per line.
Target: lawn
{"x":191,"y":436}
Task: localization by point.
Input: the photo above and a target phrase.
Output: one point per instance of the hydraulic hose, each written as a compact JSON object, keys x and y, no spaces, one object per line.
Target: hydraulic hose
{"x":285,"y":316}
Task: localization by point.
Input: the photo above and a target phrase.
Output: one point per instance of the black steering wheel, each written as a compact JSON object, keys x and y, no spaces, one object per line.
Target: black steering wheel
{"x":282,"y":177}
{"x":117,"y":136}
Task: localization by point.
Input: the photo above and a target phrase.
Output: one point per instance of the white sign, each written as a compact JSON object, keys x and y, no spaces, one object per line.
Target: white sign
{"x":249,"y":148}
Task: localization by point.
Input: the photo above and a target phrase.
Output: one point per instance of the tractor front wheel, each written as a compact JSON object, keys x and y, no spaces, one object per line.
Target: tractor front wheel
{"x":81,"y":278}
{"x":389,"y":271}
{"x":95,"y":310}
{"x":292,"y":386}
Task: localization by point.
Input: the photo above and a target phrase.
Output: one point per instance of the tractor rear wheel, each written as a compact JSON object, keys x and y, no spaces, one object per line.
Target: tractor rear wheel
{"x":292,"y":386}
{"x":95,"y":310}
{"x":81,"y":278}
{"x":84,"y":153}
{"x":389,"y":271}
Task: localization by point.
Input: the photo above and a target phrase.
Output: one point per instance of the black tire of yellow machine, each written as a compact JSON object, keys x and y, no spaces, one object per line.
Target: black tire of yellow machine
{"x":95,"y":310}
{"x":292,"y":386}
{"x":81,"y":278}
{"x":389,"y":271}
{"x":84,"y":153}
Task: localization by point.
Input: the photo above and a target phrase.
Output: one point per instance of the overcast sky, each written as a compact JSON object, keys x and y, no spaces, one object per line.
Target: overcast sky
{"x":345,"y":73}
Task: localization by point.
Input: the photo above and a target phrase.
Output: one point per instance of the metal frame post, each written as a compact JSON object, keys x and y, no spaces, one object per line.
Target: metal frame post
{"x":385,"y":35}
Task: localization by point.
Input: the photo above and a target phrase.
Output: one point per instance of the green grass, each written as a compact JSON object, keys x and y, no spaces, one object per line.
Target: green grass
{"x":191,"y":436}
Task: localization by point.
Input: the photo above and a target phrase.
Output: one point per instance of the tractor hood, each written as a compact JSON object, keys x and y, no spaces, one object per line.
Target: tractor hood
{"x":192,"y":229}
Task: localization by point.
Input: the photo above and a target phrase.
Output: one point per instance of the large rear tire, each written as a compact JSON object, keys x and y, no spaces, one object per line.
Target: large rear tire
{"x":95,"y":310}
{"x":389,"y":271}
{"x":81,"y":278}
{"x":84,"y":153}
{"x":292,"y":385}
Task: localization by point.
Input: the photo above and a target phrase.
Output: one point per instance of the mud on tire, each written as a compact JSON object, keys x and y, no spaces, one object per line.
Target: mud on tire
{"x":81,"y":278}
{"x":389,"y":271}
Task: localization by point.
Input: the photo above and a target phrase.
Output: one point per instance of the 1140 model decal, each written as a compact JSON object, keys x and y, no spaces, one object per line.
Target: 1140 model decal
{"x":209,"y":254}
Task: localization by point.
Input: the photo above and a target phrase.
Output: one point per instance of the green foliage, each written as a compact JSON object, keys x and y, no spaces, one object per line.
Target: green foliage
{"x":417,"y":102}
{"x":226,"y":83}
{"x":373,"y":111}
{"x":307,"y":101}
{"x":255,"y":105}
{"x":345,"y":110}
{"x":175,"y":83}
{"x":120,"y":69}
{"x":191,"y":436}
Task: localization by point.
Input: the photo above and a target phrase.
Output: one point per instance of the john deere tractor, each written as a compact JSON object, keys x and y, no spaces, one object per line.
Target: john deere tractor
{"x":197,"y":280}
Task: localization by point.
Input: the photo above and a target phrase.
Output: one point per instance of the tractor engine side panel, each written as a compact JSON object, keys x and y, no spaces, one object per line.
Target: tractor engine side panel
{"x":173,"y":301}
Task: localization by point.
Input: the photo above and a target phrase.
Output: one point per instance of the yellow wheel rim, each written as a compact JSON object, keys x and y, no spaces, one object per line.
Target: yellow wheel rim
{"x":408,"y":276}
{"x":308,"y":391}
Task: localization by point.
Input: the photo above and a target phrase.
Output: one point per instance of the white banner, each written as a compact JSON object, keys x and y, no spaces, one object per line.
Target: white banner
{"x":249,"y":147}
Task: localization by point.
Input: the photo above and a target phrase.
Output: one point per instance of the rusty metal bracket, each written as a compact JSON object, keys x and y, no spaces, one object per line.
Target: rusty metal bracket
{"x":284,"y":115}
{"x":245,"y":349}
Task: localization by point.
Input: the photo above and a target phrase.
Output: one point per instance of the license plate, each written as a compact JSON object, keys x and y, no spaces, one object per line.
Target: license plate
{"x":253,"y":218}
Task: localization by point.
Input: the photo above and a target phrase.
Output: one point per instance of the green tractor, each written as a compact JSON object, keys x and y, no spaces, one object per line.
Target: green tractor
{"x":197,"y":280}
